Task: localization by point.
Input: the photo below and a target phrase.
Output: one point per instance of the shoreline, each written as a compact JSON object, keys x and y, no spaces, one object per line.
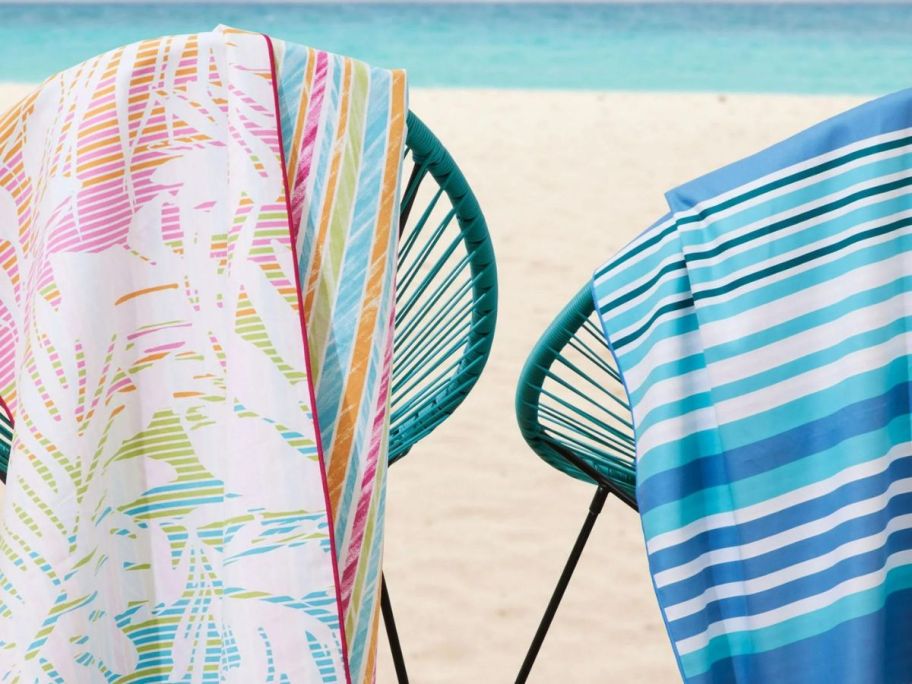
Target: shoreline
{"x":26,"y":86}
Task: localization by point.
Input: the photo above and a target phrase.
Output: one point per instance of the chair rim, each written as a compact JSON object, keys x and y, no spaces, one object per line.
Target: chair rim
{"x":428,"y":152}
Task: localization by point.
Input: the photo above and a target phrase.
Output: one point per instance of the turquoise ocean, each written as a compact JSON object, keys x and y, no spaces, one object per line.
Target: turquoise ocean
{"x":813,"y":48}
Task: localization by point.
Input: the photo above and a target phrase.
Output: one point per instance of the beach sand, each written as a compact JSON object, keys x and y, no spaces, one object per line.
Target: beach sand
{"x":478,"y":527}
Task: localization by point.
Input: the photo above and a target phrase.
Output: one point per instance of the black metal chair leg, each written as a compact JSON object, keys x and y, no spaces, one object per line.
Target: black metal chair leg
{"x":595,"y":507}
{"x":392,"y":633}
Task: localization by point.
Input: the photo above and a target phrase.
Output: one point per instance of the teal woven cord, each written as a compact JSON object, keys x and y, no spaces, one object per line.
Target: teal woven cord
{"x":571,"y":405}
{"x":439,"y":371}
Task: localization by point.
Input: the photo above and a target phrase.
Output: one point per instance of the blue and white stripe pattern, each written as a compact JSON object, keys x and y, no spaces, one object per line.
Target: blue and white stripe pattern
{"x":764,"y":332}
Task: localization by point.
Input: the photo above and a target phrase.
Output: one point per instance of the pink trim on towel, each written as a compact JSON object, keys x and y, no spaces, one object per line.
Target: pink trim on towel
{"x":313,"y":399}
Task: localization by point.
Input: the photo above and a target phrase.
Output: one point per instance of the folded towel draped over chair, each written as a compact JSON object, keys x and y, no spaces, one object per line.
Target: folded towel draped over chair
{"x":762,"y":330}
{"x":195,"y":493}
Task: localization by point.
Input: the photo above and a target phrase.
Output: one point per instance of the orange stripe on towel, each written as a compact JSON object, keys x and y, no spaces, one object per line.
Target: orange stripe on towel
{"x":338,"y":462}
{"x":330,"y":194}
{"x":302,"y":113}
{"x":139,"y":293}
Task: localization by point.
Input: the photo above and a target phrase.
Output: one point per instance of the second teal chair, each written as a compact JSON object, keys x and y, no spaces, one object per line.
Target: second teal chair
{"x":572,"y":410}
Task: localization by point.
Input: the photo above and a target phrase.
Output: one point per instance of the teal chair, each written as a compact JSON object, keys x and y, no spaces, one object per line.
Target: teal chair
{"x":446,"y":307}
{"x":446,"y":293}
{"x":572,"y":410}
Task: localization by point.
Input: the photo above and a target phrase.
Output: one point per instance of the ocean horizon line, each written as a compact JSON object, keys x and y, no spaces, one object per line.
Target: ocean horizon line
{"x":711,"y":46}
{"x":453,"y":2}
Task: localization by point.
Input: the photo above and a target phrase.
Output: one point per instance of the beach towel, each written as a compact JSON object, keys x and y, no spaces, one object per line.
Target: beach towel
{"x":762,"y":328}
{"x":197,"y":244}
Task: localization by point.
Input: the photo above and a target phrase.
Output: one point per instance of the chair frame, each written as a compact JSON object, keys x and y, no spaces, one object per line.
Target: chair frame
{"x":610,"y":473}
{"x":411,"y":423}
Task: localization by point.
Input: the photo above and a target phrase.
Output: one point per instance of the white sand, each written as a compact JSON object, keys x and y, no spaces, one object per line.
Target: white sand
{"x":478,"y":527}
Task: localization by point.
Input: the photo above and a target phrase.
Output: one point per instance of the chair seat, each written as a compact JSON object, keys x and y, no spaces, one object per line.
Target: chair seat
{"x":571,"y":404}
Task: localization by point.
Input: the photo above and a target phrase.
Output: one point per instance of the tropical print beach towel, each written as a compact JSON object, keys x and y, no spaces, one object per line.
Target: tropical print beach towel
{"x":171,"y":511}
{"x":763,"y":331}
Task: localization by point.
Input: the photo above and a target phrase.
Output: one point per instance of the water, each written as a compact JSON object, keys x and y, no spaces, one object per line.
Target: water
{"x":815,"y":48}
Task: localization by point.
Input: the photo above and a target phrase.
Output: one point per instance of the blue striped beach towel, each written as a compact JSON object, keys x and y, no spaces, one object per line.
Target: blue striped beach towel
{"x":763,"y":328}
